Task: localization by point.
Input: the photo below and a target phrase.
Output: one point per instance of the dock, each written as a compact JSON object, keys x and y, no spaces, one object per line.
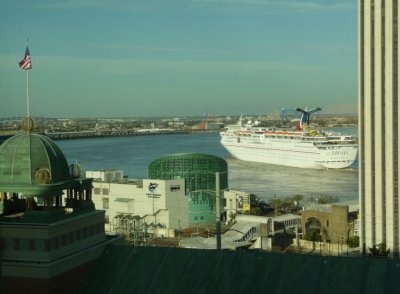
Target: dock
{"x":104,"y":134}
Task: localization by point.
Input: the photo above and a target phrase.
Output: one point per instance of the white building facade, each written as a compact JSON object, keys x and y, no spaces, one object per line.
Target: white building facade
{"x":157,"y":203}
{"x":379,"y":124}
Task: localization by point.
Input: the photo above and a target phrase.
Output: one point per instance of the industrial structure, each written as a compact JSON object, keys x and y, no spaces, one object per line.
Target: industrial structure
{"x":199,"y":172}
{"x":379,"y":124}
{"x":47,"y":245}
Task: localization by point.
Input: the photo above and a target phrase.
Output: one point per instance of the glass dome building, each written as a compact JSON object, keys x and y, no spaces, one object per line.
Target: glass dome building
{"x":199,"y":171}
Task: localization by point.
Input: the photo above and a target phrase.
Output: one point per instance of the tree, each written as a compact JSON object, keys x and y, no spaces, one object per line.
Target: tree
{"x":276,"y":203}
{"x":353,"y":241}
{"x":379,"y":250}
{"x":232,"y":215}
{"x":288,"y":204}
{"x":297,"y":198}
{"x":326,"y":199}
{"x":312,"y":236}
{"x":255,"y":211}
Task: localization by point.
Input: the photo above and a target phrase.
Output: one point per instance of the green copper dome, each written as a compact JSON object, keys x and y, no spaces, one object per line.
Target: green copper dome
{"x":36,"y":185}
{"x":32,"y":158}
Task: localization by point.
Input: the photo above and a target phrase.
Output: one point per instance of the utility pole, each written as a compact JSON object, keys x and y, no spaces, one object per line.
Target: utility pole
{"x":218,"y":210}
{"x":337,"y":245}
{"x":179,"y":231}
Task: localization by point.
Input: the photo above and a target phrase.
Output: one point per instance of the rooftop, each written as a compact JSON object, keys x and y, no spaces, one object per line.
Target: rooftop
{"x":175,"y":270}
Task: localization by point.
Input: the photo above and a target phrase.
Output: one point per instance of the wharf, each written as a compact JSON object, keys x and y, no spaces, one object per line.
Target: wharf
{"x":109,"y":133}
{"x":103,"y":134}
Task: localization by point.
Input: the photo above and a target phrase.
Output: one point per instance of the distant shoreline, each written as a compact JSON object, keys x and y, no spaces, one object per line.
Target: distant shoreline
{"x":106,"y":134}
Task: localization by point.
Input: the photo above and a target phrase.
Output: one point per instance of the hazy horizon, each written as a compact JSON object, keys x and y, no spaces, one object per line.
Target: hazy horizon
{"x":170,"y":117}
{"x":175,"y":58}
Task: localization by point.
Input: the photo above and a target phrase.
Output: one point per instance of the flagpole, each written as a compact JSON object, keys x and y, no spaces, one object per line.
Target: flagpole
{"x":27,"y":91}
{"x":27,"y":84}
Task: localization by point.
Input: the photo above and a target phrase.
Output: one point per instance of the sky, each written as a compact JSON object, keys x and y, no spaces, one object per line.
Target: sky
{"x":129,"y":58}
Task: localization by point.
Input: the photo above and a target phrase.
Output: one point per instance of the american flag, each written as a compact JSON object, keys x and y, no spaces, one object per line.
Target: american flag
{"x":26,"y":62}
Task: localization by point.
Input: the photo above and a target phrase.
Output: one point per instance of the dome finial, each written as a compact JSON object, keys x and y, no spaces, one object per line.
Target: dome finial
{"x":28,"y":124}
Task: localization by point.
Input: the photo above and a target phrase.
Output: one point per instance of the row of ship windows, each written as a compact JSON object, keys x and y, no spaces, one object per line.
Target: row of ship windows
{"x":280,"y":138}
{"x":319,"y":145}
{"x":272,"y":147}
{"x":271,"y":142}
{"x":321,"y":140}
{"x":328,"y":147}
{"x":334,"y":161}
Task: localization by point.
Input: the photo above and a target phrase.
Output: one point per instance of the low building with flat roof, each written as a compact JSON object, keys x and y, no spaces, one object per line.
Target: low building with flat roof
{"x":160,"y":206}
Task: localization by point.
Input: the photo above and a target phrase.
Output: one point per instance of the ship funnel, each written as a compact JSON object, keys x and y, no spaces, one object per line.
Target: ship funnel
{"x":305,"y":118}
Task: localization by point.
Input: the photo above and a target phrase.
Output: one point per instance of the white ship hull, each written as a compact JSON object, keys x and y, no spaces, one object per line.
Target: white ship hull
{"x":291,"y":150}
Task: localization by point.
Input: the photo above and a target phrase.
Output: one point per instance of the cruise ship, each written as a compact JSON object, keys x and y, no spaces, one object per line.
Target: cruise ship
{"x":302,"y":147}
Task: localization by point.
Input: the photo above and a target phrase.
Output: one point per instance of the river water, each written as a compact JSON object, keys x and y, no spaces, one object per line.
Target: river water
{"x":134,"y":154}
